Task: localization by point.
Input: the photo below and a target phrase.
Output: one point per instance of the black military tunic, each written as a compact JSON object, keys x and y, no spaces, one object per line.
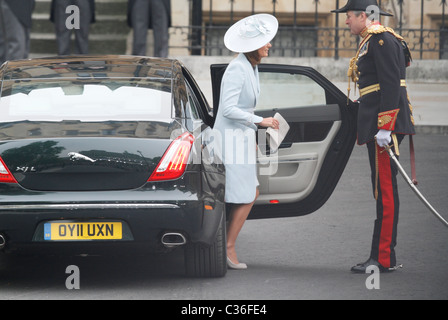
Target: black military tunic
{"x":384,"y":102}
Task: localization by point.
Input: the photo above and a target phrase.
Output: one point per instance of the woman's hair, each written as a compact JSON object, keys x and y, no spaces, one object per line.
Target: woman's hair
{"x":253,"y":57}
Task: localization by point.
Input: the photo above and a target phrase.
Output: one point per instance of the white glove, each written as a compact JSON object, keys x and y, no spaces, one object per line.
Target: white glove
{"x":383,"y":138}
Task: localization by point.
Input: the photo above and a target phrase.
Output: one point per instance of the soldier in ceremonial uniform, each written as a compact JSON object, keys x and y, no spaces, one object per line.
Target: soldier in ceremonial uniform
{"x":384,"y":118}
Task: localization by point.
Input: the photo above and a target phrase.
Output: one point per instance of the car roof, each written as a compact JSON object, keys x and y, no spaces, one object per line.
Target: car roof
{"x":89,"y":67}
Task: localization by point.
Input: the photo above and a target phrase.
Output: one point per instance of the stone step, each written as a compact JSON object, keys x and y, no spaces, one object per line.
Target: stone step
{"x":45,"y":45}
{"x":108,"y":35}
{"x":103,"y":7}
{"x":104,"y":24}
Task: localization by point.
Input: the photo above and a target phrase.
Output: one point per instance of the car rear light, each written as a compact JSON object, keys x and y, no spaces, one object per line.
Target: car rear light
{"x":5,"y":174}
{"x":174,"y":161}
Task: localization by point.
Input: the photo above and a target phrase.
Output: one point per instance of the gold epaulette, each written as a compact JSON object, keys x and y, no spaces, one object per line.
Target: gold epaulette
{"x":377,"y":29}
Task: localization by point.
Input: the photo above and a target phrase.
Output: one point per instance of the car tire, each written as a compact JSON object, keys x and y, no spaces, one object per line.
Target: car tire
{"x":208,"y":261}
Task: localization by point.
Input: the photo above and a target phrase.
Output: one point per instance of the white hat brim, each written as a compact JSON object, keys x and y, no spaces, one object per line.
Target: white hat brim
{"x":235,"y":42}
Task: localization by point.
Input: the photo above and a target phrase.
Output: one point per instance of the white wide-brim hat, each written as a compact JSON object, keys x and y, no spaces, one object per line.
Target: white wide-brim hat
{"x":251,"y":33}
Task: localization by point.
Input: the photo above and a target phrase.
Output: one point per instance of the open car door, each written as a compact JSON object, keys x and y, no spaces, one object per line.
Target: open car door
{"x":301,"y":175}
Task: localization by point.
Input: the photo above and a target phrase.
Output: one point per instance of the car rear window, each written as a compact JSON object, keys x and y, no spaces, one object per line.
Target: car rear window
{"x":86,"y":101}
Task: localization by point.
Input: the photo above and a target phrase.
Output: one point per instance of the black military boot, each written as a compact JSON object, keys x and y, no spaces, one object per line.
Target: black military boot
{"x":362,"y":267}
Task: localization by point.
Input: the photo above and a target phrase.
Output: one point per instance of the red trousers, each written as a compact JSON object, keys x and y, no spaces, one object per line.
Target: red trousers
{"x":387,"y":205}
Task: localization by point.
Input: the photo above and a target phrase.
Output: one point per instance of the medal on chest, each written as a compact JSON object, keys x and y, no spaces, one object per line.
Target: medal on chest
{"x":364,"y":49}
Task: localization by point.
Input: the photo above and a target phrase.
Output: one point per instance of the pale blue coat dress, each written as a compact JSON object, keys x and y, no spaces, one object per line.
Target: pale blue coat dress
{"x":235,"y":125}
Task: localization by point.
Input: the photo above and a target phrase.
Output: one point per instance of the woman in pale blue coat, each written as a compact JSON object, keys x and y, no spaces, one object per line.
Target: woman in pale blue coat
{"x":236,"y":123}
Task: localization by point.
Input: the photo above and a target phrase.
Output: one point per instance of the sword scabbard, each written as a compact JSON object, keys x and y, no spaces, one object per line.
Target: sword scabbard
{"x":414,"y":188}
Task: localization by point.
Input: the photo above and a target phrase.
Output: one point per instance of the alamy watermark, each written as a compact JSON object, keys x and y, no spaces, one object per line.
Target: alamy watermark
{"x":73,"y":281}
{"x":234,"y":146}
{"x":373,"y":13}
{"x":373,"y":280}
{"x":73,"y":21}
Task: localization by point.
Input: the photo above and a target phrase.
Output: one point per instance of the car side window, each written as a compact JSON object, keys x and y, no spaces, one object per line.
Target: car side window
{"x":192,"y":105}
{"x":286,"y":90}
{"x":190,"y":114}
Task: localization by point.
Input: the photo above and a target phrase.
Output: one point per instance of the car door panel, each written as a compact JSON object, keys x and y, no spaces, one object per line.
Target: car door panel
{"x":306,"y":114}
{"x":293,"y":174}
{"x":300,"y":176}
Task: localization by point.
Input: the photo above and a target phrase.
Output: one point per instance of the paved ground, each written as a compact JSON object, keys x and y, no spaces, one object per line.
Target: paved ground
{"x":289,"y":259}
{"x":430,"y":103}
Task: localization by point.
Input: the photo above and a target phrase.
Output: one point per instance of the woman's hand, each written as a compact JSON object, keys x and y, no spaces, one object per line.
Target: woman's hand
{"x":269,"y":123}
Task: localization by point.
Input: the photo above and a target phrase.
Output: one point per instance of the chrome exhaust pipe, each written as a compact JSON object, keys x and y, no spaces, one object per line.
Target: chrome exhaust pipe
{"x":2,"y":241}
{"x":173,"y":239}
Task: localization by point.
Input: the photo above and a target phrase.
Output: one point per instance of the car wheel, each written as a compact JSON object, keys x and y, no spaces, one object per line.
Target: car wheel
{"x":208,"y":261}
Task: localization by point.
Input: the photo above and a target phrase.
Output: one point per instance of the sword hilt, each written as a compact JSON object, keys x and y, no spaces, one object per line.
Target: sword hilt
{"x":387,"y":148}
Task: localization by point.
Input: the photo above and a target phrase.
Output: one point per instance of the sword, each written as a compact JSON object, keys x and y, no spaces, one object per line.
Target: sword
{"x":413,"y":187}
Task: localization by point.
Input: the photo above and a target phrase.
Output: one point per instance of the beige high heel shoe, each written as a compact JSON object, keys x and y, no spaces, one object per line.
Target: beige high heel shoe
{"x":239,"y":266}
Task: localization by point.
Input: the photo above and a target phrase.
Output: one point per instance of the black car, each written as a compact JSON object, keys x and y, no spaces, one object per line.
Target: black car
{"x":113,"y":151}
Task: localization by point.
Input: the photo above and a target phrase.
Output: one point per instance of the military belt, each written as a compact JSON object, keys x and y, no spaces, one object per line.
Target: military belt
{"x":375,"y":88}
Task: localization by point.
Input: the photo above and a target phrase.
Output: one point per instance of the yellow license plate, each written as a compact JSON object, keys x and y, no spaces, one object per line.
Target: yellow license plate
{"x":83,"y":231}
